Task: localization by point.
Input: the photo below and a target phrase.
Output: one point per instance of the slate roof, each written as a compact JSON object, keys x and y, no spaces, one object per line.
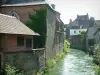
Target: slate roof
{"x":83,"y":17}
{"x":20,"y":1}
{"x":11,"y":25}
{"x":81,"y":20}
{"x":26,"y":3}
{"x":84,"y":23}
{"x":97,"y":22}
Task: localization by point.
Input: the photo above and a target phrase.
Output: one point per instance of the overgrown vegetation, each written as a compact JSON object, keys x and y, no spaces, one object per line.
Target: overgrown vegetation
{"x":66,"y":46}
{"x":82,"y":35}
{"x":11,"y":70}
{"x":38,"y":24}
{"x":96,"y":60}
{"x":96,"y":57}
{"x":97,"y":70}
{"x":52,"y":62}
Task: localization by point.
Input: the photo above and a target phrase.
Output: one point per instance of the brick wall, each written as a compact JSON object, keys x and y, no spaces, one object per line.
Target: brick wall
{"x":22,"y":11}
{"x":12,"y":43}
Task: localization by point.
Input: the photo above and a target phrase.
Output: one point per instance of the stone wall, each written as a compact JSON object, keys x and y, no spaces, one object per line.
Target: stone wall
{"x":51,"y":19}
{"x":54,"y":41}
{"x":29,"y":62}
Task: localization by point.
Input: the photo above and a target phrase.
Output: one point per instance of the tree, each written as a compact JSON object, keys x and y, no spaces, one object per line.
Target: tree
{"x":82,"y":35}
{"x":38,"y":24}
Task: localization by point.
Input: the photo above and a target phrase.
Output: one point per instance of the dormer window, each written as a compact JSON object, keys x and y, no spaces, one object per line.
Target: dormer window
{"x":14,"y":14}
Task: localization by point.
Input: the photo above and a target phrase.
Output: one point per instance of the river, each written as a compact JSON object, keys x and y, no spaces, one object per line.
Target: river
{"x":76,"y":62}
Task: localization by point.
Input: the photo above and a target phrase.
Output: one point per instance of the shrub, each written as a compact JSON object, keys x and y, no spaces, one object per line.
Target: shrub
{"x":97,"y":70}
{"x":11,"y":70}
{"x":51,"y":63}
{"x":38,"y":73}
{"x":66,"y":46}
{"x":96,"y":58}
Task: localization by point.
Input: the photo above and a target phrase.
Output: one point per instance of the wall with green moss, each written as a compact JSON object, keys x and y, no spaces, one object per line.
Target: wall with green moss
{"x":29,"y":62}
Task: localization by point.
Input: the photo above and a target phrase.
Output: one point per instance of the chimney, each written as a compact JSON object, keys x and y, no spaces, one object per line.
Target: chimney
{"x":70,"y":20}
{"x":53,"y":6}
{"x":87,"y":14}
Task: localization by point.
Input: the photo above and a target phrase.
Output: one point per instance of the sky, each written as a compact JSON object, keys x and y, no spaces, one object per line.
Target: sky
{"x":70,"y":8}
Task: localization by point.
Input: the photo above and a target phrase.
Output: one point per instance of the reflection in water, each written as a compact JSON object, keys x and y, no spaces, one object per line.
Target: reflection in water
{"x":75,"y":63}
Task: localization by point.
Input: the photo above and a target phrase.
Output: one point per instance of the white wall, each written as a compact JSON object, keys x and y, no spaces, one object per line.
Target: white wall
{"x":76,"y":31}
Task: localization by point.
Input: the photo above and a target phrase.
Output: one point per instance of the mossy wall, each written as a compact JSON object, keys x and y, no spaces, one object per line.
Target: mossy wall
{"x":29,"y":62}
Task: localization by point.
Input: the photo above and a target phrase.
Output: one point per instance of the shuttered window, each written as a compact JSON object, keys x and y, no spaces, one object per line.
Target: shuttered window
{"x":28,"y":43}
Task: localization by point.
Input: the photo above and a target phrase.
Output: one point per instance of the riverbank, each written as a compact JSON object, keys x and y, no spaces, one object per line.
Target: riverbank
{"x":97,"y":69}
{"x":96,"y":59}
{"x":51,"y":62}
{"x":77,"y":62}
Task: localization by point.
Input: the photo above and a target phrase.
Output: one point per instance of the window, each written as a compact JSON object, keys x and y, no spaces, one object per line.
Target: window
{"x":20,"y":41}
{"x":28,"y":43}
{"x":14,"y":14}
{"x":74,"y":31}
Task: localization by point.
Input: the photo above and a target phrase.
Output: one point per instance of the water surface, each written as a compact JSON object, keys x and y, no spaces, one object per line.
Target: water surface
{"x":76,"y":62}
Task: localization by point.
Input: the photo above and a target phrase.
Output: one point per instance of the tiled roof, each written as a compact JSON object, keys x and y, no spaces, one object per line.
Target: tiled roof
{"x":74,"y":23}
{"x":11,"y":25}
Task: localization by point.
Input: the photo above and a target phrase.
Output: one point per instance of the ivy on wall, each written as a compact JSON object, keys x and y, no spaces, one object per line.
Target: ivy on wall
{"x":38,"y":24}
